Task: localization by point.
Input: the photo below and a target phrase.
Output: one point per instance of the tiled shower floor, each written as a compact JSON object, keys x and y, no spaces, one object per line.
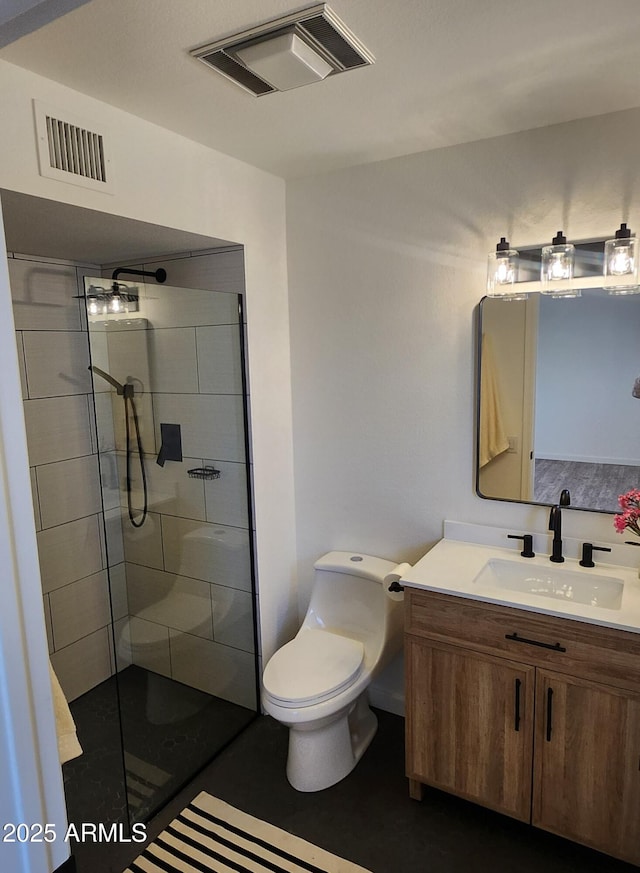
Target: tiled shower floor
{"x":169,"y":732}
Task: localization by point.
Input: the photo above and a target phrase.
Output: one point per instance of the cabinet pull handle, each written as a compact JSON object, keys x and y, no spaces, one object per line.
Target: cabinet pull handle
{"x":556,"y":647}
{"x":549,"y":713}
{"x":516,"y":723}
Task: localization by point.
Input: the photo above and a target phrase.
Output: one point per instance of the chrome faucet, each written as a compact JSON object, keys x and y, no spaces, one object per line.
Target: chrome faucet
{"x":555,"y":524}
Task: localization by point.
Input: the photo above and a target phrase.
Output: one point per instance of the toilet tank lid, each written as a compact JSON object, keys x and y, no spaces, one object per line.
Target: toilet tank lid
{"x":355,"y":564}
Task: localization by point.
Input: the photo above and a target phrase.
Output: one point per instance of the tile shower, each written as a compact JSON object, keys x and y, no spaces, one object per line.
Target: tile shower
{"x":167,"y":608}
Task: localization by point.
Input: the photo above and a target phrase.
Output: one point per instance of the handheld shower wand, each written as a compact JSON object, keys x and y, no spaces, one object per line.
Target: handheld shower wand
{"x":126,"y":392}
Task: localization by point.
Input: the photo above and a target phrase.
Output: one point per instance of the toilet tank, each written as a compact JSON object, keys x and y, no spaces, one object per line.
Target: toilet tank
{"x":348,"y":597}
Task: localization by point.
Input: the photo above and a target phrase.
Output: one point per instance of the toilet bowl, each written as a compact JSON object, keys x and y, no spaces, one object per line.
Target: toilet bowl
{"x":317,"y":683}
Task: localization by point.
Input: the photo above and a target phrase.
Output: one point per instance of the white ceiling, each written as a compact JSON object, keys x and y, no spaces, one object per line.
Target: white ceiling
{"x":446,"y":72}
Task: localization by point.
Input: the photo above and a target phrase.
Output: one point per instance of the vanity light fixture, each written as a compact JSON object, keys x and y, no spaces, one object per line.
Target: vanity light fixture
{"x":621,"y":263}
{"x":113,"y":301}
{"x":502,"y":272}
{"x":556,"y":269}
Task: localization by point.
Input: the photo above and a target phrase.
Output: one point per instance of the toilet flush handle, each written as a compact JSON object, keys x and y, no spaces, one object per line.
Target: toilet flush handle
{"x":396,"y":586}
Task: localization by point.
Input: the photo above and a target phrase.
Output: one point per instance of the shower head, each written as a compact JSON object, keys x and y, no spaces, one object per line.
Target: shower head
{"x":120,"y":388}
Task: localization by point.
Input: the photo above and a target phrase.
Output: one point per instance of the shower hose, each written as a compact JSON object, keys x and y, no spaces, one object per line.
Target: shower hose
{"x":126,"y":392}
{"x":127,"y":395}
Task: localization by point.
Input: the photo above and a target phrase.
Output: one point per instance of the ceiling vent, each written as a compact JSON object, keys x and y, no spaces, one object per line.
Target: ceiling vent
{"x":71,"y":150}
{"x":286,"y":53}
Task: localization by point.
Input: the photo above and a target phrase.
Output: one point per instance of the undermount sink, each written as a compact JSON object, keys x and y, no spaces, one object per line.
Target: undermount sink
{"x":604,"y":592}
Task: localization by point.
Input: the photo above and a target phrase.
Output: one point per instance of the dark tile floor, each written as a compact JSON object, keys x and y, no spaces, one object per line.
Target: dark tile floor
{"x":132,"y":767}
{"x":368,"y":817}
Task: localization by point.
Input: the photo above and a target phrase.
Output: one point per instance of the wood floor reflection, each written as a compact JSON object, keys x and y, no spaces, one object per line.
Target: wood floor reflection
{"x":593,"y":486}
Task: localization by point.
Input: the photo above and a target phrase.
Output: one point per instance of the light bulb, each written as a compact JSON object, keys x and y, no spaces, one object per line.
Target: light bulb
{"x":556,"y":268}
{"x":92,"y":308}
{"x":621,"y":263}
{"x":115,"y":304}
{"x":502,"y":272}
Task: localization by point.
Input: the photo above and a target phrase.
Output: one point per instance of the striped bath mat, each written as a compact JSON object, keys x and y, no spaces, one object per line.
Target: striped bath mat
{"x":210,"y":836}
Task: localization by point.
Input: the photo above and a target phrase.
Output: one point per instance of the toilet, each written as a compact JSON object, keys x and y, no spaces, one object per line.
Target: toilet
{"x":317,"y":683}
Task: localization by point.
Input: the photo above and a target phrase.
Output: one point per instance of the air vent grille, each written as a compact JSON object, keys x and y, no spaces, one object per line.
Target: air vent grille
{"x":237,"y":73}
{"x":75,"y":150}
{"x":72,"y":150}
{"x":318,"y":25}
{"x":328,"y":37}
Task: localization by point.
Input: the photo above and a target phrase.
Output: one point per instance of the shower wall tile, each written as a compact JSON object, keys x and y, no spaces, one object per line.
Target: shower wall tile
{"x":174,"y":601}
{"x":212,"y":425}
{"x":57,"y":363}
{"x":21,"y":364}
{"x":232,"y":617}
{"x":34,"y":498}
{"x":84,"y":664}
{"x":79,"y":609}
{"x":109,"y":477}
{"x":218,"y":270}
{"x":121,"y":657}
{"x":105,"y":440}
{"x":144,"y":411}
{"x":58,"y":428}
{"x":219,"y":361}
{"x":214,"y":668}
{"x":187,"y":307}
{"x":226,"y":497}
{"x":43,"y":296}
{"x":143,"y":545}
{"x":113,"y":548}
{"x":214,"y":553}
{"x":68,"y":490}
{"x":173,"y":363}
{"x":150,"y":644}
{"x":69,"y":552}
{"x":128,"y":353}
{"x":173,"y":492}
{"x":47,"y":621}
{"x":99,"y":358}
{"x":118,"y":587}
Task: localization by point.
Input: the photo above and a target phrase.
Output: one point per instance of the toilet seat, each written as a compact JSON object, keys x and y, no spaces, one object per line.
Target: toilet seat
{"x":311,"y":668}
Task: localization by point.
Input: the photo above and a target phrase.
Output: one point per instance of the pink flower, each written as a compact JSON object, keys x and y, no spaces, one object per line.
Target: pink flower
{"x":619,"y":523}
{"x":630,"y":516}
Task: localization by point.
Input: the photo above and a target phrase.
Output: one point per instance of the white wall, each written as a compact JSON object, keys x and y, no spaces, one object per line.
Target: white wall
{"x":168,"y":180}
{"x":386,"y":267}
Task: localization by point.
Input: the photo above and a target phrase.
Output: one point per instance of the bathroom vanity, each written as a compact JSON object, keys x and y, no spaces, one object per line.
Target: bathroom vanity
{"x":527,"y":701}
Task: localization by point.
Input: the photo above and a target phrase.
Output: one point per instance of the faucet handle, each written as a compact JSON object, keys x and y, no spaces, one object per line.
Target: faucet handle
{"x":587,"y":554}
{"x":527,"y":541}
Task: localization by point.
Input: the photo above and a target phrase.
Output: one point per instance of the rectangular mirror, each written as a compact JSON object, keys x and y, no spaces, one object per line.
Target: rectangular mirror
{"x":558,"y":399}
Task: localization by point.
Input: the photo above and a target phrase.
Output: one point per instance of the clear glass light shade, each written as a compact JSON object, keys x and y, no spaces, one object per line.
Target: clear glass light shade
{"x":556,"y":270}
{"x":621,"y":265}
{"x":502,"y":274}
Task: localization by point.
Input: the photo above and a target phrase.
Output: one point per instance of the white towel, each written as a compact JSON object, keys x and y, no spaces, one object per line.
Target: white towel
{"x":68,"y":745}
{"x":493,"y":440}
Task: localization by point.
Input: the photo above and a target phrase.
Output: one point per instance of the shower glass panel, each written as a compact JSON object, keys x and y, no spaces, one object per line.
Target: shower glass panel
{"x":171,"y":423}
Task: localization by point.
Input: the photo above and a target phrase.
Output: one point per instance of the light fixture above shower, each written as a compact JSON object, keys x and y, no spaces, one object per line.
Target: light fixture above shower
{"x":115,"y":300}
{"x":285,"y":53}
{"x":119,"y":299}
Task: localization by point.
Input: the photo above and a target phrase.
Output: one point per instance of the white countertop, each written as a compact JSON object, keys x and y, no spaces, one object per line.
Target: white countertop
{"x":451,"y":567}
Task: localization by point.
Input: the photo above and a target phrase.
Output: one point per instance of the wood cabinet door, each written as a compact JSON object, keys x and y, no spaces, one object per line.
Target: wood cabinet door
{"x":587,"y":764}
{"x":470,"y":725}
